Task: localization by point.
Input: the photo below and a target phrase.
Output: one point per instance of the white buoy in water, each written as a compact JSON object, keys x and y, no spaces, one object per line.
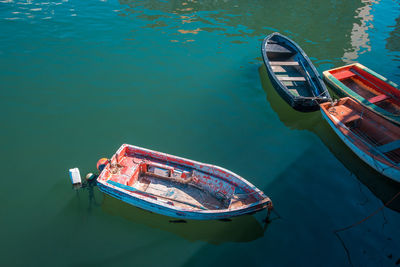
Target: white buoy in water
{"x":75,"y":176}
{"x":89,"y":176}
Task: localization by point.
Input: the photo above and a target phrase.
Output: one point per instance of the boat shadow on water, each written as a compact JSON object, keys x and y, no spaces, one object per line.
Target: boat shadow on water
{"x":237,"y":229}
{"x":381,"y":186}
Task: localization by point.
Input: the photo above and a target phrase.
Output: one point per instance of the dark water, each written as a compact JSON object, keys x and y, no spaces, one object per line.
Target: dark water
{"x":79,"y":78}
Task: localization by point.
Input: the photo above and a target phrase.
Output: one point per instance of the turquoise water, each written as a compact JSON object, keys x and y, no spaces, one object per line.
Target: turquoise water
{"x":79,"y":78}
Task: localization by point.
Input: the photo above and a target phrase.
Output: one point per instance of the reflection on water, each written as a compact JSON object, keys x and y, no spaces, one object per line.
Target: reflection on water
{"x":31,"y":10}
{"x":393,"y":42}
{"x":380,"y":186}
{"x":342,"y":31}
{"x":243,"y":19}
{"x":239,"y":229}
{"x":359,"y":34}
{"x":292,"y":119}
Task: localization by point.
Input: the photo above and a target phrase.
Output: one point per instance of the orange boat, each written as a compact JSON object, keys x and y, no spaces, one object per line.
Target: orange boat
{"x":374,"y":139}
{"x":368,"y":88}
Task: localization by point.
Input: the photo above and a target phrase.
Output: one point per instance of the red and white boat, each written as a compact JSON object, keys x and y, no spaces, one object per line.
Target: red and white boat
{"x":374,"y":139}
{"x":178,"y":187}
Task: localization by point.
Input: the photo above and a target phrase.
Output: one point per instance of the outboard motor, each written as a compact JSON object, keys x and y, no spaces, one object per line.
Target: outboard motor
{"x":75,"y":176}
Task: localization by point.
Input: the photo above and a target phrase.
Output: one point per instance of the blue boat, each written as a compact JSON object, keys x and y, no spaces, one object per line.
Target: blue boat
{"x":292,"y":73}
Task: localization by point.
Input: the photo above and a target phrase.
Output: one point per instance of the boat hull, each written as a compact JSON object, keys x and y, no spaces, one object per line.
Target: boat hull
{"x":300,"y":103}
{"x":200,"y":191}
{"x":190,"y":215}
{"x":303,"y":105}
{"x":384,"y":169}
{"x":343,"y":90}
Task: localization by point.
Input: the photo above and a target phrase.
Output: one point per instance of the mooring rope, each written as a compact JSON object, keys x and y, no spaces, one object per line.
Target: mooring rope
{"x":336,"y":232}
{"x":369,"y":216}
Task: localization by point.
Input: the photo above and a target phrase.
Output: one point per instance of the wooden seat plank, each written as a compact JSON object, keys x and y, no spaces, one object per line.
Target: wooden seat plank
{"x":294,"y":92}
{"x":296,"y":79}
{"x":346,"y":115}
{"x":350,"y":117}
{"x":284,"y":63}
{"x":342,"y":75}
{"x":278,"y":69}
{"x":389,"y":146}
{"x":378,"y":98}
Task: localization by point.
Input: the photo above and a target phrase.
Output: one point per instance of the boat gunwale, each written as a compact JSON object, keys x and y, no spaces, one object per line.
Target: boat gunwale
{"x":142,"y":195}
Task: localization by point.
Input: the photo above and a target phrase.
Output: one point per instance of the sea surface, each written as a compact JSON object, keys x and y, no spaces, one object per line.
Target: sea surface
{"x":80,"y":78}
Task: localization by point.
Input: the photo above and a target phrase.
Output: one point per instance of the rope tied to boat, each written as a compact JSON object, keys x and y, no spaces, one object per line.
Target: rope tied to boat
{"x":115,"y":168}
{"x":332,"y":109}
{"x":336,"y":232}
{"x":270,"y":206}
{"x":369,"y":216}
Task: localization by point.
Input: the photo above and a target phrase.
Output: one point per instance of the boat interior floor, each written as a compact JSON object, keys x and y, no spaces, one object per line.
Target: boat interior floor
{"x":366,"y":129}
{"x":368,"y":92}
{"x":289,"y":74}
{"x":182,"y":195}
{"x":390,"y":107}
{"x":378,"y":143}
{"x":360,"y":88}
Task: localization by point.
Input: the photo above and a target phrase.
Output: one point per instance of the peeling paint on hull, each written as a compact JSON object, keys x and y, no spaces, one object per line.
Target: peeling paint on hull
{"x":128,"y":185}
